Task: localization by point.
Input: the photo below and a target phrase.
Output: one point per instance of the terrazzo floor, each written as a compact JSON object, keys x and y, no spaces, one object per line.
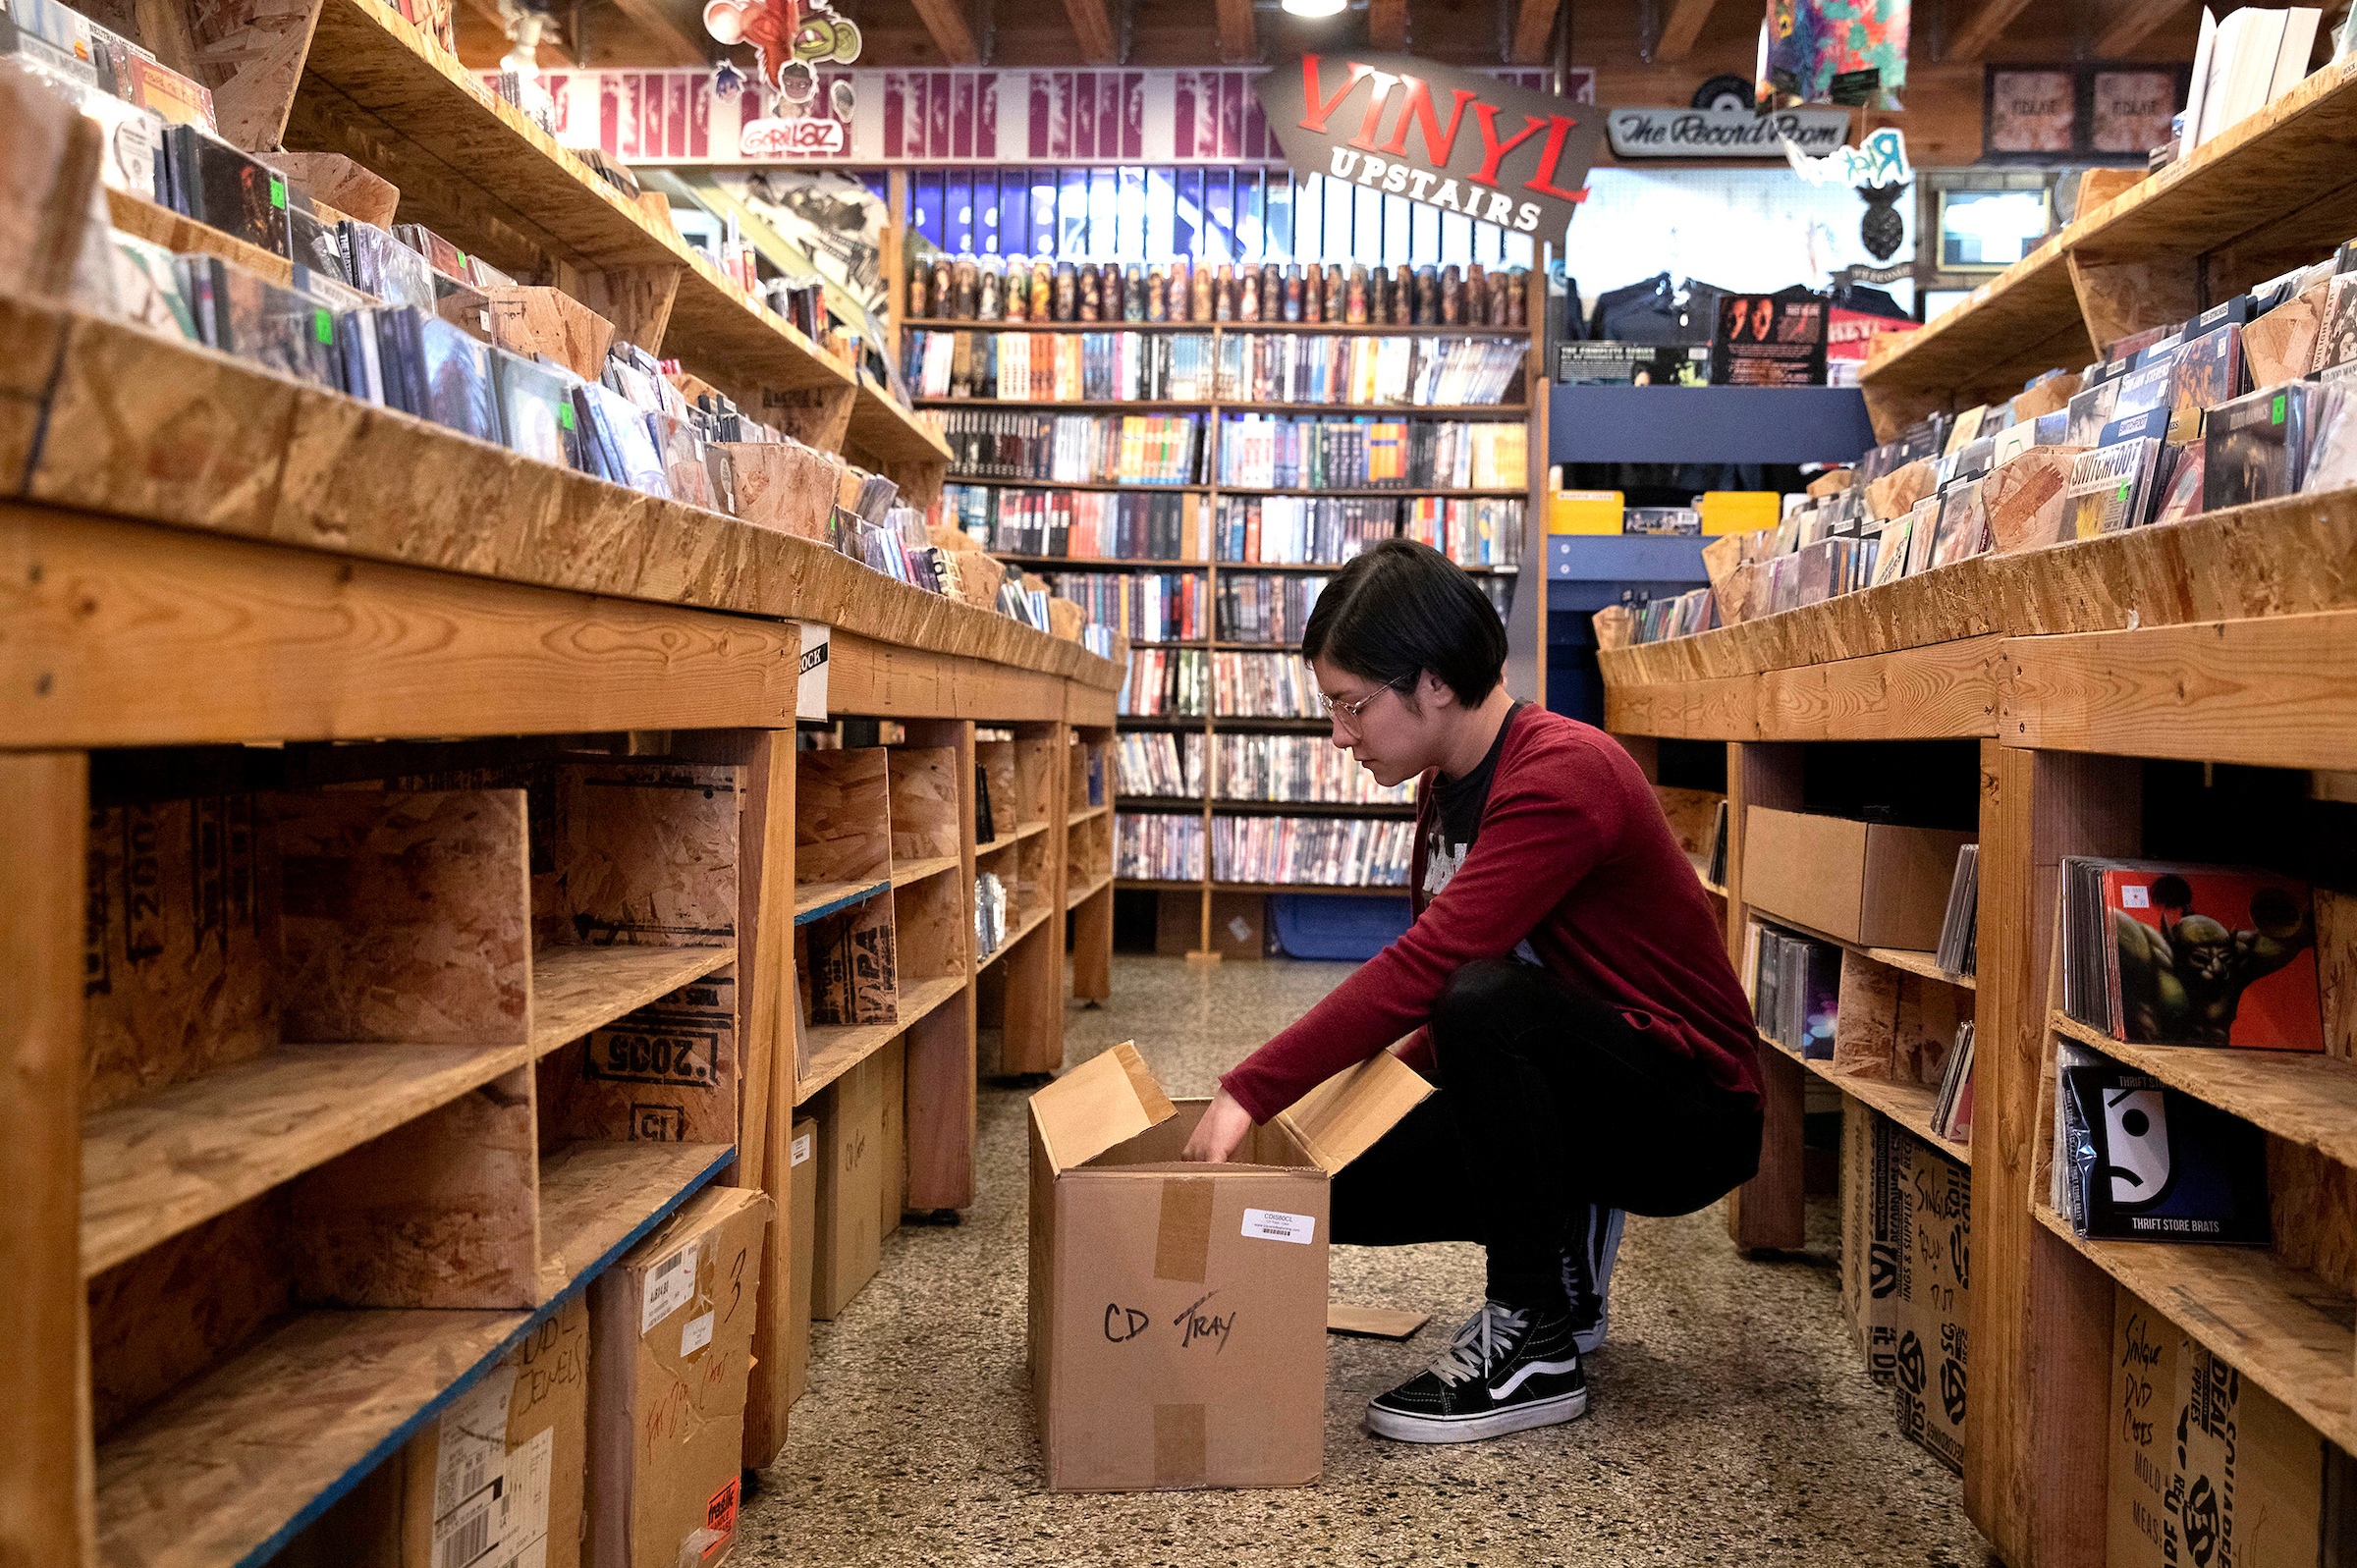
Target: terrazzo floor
{"x":1731,"y":1420}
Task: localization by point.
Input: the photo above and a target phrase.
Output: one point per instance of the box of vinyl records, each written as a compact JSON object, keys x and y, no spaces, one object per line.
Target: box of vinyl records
{"x":1178,"y":1311}
{"x":2206,"y":1467}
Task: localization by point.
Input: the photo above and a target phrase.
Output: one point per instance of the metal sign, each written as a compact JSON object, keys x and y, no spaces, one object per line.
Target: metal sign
{"x":1454,"y":139}
{"x":1723,"y":132}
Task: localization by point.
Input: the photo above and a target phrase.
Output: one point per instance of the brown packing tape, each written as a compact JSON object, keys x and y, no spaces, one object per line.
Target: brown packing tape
{"x":1183,"y":1240}
{"x":1179,"y":1445}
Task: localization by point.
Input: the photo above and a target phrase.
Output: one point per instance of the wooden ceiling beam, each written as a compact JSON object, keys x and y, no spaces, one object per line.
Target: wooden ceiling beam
{"x":1387,"y":26}
{"x":1971,"y":39}
{"x":1684,"y":25}
{"x":1534,"y":28}
{"x":664,"y":31}
{"x":1239,"y":34}
{"x":2133,"y":23}
{"x":1092,"y":25}
{"x":945,"y":24}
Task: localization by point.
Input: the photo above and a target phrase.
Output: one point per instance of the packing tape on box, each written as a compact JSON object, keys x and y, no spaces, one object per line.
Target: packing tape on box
{"x":1183,"y":1241}
{"x":1178,"y":1444}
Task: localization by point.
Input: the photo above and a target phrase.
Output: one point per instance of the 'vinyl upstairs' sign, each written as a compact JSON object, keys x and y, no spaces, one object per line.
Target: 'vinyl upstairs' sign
{"x":1448,"y":139}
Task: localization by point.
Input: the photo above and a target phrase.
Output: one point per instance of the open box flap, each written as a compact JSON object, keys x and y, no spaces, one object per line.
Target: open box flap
{"x":1106,"y":1100}
{"x":1341,"y":1118}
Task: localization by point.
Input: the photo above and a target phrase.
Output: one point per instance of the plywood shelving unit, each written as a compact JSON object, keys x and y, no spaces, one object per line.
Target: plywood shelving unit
{"x":2087,"y":673}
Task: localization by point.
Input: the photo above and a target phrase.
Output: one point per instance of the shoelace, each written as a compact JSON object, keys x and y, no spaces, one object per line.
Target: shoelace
{"x":1486,"y":1329}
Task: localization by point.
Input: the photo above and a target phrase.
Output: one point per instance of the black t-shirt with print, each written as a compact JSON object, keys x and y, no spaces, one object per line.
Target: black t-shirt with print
{"x":1457,"y":807}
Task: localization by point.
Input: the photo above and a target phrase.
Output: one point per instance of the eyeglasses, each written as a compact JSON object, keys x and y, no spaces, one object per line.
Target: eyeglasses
{"x":1347,"y":713}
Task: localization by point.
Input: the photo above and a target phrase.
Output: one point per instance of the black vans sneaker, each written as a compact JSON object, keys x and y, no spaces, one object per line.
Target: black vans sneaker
{"x":1588,"y":1255}
{"x":1508,"y":1371}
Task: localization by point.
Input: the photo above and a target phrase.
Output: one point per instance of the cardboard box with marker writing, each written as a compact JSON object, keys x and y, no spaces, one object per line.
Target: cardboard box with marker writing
{"x":1178,"y":1316}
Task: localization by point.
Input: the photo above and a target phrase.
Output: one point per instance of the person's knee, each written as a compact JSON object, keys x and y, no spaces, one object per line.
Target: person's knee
{"x":1473,"y":1003}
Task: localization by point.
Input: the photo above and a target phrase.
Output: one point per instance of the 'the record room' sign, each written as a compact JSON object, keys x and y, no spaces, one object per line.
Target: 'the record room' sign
{"x":1449,"y":139}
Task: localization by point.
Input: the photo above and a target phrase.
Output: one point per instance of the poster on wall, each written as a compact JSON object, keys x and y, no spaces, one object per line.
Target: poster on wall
{"x":2129,"y":111}
{"x":2030,"y":110}
{"x":1443,"y":137}
{"x":1851,"y":52}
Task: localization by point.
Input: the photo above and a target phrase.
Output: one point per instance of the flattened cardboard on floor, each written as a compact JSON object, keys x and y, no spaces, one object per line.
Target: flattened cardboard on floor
{"x":1869,"y":882}
{"x":1178,"y":1311}
{"x":672,"y":1325}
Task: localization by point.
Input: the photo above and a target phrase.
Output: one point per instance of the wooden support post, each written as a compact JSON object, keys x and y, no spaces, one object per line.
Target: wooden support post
{"x":941,"y":1047}
{"x":636,"y":300}
{"x":46,"y":1487}
{"x":1092,"y":946}
{"x":2040,"y":1327}
{"x":1034,"y":1012}
{"x":1766,"y":1211}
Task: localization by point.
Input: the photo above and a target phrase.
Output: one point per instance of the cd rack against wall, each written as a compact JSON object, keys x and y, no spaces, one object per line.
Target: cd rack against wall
{"x":1250,"y":823}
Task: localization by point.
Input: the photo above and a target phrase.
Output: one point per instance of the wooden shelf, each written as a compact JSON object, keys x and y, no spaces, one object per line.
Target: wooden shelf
{"x":1030,"y":827}
{"x":227,"y":1468}
{"x":815,"y":900}
{"x":2282,"y":171}
{"x":475,"y":170}
{"x":1077,"y":484}
{"x":1339,"y":329}
{"x":835,"y":1052}
{"x":887,"y":432}
{"x":1029,"y":925}
{"x":1075,"y":899}
{"x":1005,"y":840}
{"x":1917,"y":963}
{"x":575,"y":990}
{"x":158,"y":1166}
{"x":2302,"y":1097}
{"x":919,"y":870}
{"x":597,"y":1199}
{"x":2282,"y":1328}
{"x":1074,"y":819}
{"x":1313,"y":808}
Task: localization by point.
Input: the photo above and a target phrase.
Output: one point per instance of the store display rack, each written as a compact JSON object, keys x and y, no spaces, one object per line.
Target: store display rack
{"x":2220,"y":641}
{"x":1520,"y":404}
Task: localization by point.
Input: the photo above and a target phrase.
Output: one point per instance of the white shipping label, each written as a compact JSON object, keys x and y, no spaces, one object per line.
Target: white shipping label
{"x":670,"y":1287}
{"x":528,"y":1471}
{"x":470,"y":1533}
{"x":473,"y":1440}
{"x":696,"y":1335}
{"x":801,"y":1150}
{"x":533,"y":1555}
{"x":1272,"y":1224}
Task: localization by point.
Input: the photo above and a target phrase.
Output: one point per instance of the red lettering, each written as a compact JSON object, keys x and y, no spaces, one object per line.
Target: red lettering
{"x":1418,"y":107}
{"x":1376,"y":102}
{"x":1548,"y":159}
{"x":1314,"y":112}
{"x":1493,"y":150}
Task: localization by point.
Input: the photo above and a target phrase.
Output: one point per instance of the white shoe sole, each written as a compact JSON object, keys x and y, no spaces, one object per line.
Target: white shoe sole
{"x":1473,"y":1428}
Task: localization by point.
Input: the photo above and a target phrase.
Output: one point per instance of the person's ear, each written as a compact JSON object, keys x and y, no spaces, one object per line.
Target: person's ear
{"x":1431,"y":689}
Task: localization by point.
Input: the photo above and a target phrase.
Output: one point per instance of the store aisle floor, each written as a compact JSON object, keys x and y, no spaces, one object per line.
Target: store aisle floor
{"x":1732,"y":1422}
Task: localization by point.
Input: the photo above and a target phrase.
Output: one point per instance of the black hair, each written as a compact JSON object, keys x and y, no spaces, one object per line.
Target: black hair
{"x":1402,"y":609}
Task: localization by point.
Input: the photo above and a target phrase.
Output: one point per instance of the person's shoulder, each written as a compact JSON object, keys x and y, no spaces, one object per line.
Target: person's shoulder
{"x":1541,"y":732}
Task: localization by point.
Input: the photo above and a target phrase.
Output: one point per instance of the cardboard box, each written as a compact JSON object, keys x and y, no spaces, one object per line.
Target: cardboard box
{"x":847,"y":1246}
{"x":1726,"y":512}
{"x":1584,"y":511}
{"x":1922,"y":1210}
{"x":892,"y":1168}
{"x":500,"y":1475}
{"x":1864,"y":881}
{"x":673,"y":1320}
{"x":2205,"y":1468}
{"x":801,"y":1250}
{"x":1239,"y":924}
{"x":1178,"y":1311}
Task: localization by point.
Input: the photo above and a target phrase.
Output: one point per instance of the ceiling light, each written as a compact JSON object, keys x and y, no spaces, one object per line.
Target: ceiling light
{"x":1315,"y":7}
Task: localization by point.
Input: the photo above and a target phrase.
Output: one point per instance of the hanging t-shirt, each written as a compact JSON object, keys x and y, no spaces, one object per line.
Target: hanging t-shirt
{"x":1456,"y":821}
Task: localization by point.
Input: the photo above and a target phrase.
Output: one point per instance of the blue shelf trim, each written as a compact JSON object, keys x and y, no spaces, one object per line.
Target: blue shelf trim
{"x":408,"y":1429}
{"x":1624,"y":557}
{"x":1707,"y":424}
{"x":863,"y":896}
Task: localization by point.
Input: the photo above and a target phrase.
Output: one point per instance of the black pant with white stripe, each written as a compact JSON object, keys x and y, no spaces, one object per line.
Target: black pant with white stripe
{"x":1550,"y":1107}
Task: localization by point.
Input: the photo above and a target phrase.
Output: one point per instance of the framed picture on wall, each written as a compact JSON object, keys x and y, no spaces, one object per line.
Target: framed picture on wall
{"x":2089,"y":113}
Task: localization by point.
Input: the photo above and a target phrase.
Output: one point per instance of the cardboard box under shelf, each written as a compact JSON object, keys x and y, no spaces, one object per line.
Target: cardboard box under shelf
{"x":673,"y":1329}
{"x":2201,"y":1460}
{"x":892,"y":1168}
{"x":1873,"y":884}
{"x":801,"y":1251}
{"x":1913,"y":1301}
{"x":847,"y":1244}
{"x":1178,"y":1311}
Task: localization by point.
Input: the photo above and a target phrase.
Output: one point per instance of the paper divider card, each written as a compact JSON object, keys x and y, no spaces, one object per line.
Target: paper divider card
{"x":1104,"y":1102}
{"x":1342,"y":1118}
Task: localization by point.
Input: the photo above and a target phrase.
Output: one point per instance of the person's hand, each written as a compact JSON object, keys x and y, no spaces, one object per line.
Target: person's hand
{"x":1224,"y":1125}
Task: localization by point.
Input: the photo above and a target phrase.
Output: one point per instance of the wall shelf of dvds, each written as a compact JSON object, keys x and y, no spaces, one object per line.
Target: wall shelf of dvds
{"x":1217,"y":468}
{"x":2155,"y":713}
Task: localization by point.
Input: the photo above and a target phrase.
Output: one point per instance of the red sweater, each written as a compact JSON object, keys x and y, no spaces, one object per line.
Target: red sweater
{"x":1573,"y":853}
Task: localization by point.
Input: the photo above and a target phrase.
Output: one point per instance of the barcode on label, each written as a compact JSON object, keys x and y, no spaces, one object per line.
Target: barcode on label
{"x":466,"y":1536}
{"x":669,"y":1289}
{"x":801,"y":1149}
{"x":1273,"y":1224}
